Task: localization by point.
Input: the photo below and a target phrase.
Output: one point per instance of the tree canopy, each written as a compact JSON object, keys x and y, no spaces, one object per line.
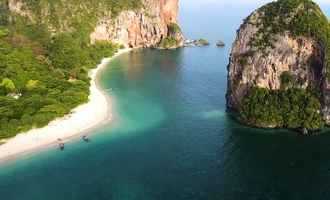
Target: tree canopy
{"x":48,"y":70}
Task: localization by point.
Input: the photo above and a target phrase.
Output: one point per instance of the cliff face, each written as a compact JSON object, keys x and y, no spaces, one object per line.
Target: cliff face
{"x":249,"y":67}
{"x":269,"y":56}
{"x":145,"y":25}
{"x":143,"y":28}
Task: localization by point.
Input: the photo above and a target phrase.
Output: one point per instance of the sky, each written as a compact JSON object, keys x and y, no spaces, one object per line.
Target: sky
{"x":240,"y":2}
{"x":223,"y":4}
{"x":227,"y":14}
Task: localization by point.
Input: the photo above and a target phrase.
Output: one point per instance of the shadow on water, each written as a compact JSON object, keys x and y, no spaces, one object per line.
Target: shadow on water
{"x":274,"y":164}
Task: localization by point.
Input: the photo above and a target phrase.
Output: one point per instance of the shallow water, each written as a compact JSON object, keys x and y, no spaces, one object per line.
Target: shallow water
{"x":171,"y":138}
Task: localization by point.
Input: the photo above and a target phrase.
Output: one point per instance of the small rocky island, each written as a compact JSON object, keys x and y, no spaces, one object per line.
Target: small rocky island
{"x":220,"y":44}
{"x":196,"y":43}
{"x":278,"y":75}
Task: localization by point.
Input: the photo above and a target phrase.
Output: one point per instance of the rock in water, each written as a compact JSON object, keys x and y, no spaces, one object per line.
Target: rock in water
{"x":220,"y":44}
{"x":196,"y":43}
{"x":202,"y":42}
{"x":277,"y":75}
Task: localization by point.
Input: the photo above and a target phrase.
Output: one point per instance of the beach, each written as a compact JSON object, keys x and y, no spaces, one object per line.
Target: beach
{"x":96,"y":113}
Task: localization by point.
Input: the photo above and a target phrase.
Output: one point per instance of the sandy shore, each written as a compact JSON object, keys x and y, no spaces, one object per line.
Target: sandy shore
{"x":93,"y":114}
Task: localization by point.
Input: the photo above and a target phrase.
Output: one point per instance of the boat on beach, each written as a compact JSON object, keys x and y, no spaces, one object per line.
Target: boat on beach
{"x":85,"y":138}
{"x":61,"y":144}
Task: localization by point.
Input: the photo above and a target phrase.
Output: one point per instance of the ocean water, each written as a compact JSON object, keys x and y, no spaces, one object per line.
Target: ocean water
{"x":171,"y":138}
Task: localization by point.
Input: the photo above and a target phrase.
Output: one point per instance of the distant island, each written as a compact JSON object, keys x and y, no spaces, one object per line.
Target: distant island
{"x":279,"y":70}
{"x":196,"y":43}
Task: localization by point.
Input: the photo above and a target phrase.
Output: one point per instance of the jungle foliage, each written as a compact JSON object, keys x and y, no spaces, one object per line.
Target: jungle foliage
{"x":44,"y":74}
{"x":292,"y":108}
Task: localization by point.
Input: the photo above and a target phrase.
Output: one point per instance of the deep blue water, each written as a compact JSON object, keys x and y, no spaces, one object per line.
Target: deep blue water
{"x":171,"y":138}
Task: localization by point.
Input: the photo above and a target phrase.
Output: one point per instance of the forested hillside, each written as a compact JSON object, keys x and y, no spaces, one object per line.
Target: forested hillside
{"x":45,"y":59}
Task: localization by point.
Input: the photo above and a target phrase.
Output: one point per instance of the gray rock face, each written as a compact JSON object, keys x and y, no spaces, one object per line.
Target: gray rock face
{"x":249,"y":67}
{"x":142,"y":28}
{"x":220,"y":44}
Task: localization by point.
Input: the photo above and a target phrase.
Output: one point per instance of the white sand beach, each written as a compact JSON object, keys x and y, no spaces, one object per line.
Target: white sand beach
{"x":84,"y":118}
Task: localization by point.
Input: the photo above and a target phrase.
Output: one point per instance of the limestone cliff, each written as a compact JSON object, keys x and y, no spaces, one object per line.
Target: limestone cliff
{"x":145,"y":24}
{"x":143,"y":28}
{"x":250,"y":68}
{"x":276,"y":54}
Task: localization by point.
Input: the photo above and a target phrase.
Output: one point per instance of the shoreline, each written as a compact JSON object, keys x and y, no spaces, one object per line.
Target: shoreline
{"x":96,"y":113}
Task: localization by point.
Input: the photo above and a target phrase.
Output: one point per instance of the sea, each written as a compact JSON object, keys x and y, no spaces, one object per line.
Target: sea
{"x":171,"y":138}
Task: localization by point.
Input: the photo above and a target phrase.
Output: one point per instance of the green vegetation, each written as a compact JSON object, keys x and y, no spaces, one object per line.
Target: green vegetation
{"x":171,"y":40}
{"x":168,"y":43}
{"x":78,"y":13}
{"x":3,"y":32}
{"x":292,"y":108}
{"x":297,"y":17}
{"x":243,"y":61}
{"x":203,"y":42}
{"x":3,"y":12}
{"x":174,"y":28}
{"x":287,"y":80}
{"x":45,"y":75}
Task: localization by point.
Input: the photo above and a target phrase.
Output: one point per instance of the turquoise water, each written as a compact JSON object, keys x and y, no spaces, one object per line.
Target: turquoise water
{"x":171,"y":138}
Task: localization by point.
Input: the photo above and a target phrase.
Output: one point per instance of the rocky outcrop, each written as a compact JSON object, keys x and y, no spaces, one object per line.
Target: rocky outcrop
{"x":196,"y":43}
{"x":146,"y":27}
{"x":298,"y":57}
{"x":301,"y":56}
